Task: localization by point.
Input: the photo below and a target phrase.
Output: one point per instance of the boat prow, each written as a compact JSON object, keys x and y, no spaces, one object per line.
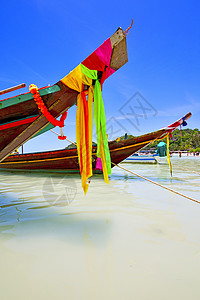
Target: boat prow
{"x":20,"y":117}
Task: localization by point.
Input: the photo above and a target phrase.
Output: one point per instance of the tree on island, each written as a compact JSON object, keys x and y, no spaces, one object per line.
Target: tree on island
{"x":181,"y":140}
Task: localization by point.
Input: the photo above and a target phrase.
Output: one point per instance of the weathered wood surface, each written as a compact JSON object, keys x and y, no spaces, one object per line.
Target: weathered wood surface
{"x":119,"y":52}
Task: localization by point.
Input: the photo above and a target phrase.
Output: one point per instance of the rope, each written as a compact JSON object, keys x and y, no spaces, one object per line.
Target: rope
{"x":160,"y":185}
{"x":121,"y":148}
{"x":64,"y":138}
{"x":89,"y":181}
{"x":126,"y":32}
{"x":187,"y":170}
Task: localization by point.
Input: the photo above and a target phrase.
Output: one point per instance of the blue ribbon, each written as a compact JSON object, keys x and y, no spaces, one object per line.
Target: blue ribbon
{"x":184,"y":122}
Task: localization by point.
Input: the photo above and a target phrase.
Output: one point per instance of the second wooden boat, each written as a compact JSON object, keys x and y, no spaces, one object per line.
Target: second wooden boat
{"x":67,"y":159}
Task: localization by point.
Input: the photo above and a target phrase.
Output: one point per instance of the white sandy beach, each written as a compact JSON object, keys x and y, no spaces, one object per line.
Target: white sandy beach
{"x":125,"y":240}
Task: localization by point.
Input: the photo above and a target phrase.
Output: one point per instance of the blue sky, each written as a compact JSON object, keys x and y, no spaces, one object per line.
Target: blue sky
{"x":42,"y":41}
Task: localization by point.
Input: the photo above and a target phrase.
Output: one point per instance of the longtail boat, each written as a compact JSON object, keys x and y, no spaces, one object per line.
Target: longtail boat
{"x":21,"y":118}
{"x":27,"y":115}
{"x":67,"y":159}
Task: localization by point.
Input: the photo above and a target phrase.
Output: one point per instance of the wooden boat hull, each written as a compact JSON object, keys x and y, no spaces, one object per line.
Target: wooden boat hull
{"x":67,"y":159}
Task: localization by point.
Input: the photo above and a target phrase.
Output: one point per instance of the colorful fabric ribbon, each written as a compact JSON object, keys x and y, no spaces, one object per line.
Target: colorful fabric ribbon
{"x":168,"y":155}
{"x":87,"y":74}
{"x":184,"y":122}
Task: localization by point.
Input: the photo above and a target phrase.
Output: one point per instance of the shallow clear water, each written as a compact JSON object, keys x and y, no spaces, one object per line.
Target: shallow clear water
{"x":126,"y":240}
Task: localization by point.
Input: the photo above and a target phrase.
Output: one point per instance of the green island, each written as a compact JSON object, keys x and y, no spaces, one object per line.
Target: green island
{"x":181,"y":140}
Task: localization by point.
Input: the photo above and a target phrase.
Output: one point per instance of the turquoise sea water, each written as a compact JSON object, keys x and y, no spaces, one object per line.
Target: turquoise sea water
{"x":126,"y":240}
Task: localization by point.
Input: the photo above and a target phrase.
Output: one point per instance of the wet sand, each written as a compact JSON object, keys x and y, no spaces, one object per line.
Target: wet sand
{"x":126,"y":240}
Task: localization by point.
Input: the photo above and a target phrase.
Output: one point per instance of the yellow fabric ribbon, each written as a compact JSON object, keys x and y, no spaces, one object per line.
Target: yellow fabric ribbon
{"x":168,"y":155}
{"x":75,"y":80}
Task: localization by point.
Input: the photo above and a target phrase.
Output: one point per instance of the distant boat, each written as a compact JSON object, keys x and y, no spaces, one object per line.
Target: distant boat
{"x":138,"y":158}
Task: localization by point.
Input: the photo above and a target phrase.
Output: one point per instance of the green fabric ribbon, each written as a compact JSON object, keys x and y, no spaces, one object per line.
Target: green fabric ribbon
{"x":99,"y":116}
{"x":100,"y":122}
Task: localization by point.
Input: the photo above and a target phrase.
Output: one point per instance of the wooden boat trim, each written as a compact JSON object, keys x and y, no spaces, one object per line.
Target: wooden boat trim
{"x":130,"y":146}
{"x":38,"y":160}
{"x":28,"y":96}
{"x":18,"y":122}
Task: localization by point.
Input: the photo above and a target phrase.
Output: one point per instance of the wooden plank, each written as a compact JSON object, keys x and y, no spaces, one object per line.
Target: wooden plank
{"x":119,"y":54}
{"x":14,"y":88}
{"x":45,"y":129}
{"x":117,"y":37}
